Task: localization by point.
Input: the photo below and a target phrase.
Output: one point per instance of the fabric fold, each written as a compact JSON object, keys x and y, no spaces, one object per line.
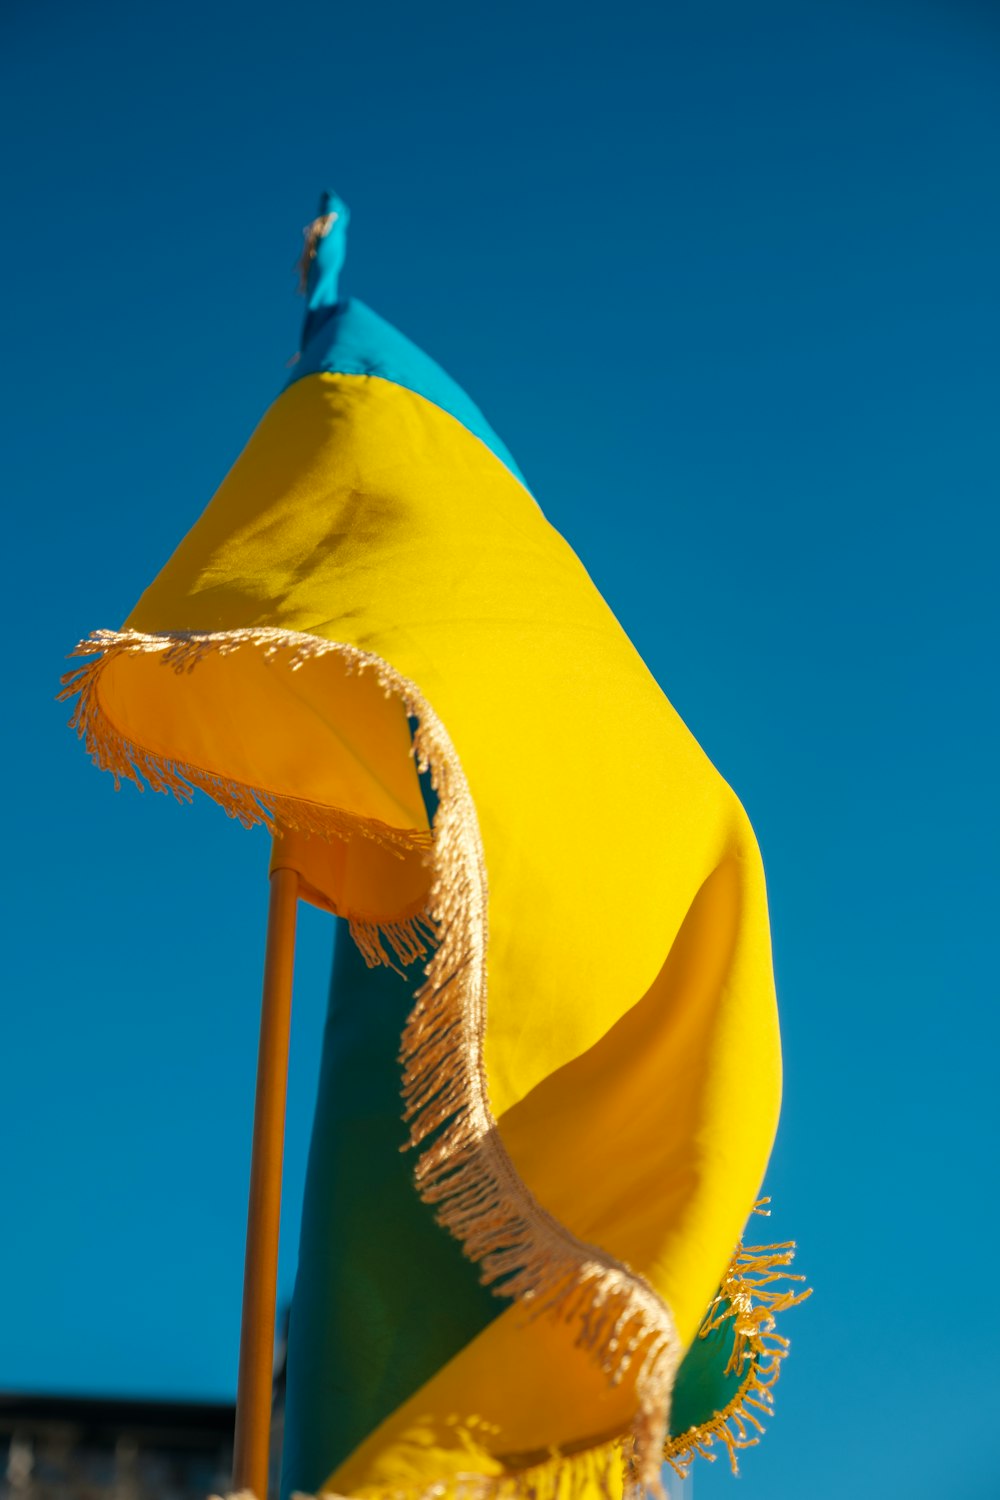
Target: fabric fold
{"x":589,"y":1072}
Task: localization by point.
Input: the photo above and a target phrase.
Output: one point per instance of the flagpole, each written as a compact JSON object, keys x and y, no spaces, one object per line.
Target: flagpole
{"x":251,"y":1442}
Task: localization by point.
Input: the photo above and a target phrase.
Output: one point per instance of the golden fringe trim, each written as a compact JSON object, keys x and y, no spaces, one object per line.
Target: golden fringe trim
{"x":112,"y":751}
{"x":409,"y":939}
{"x":463,"y":1169}
{"x":557,"y":1478}
{"x":749,"y":1295}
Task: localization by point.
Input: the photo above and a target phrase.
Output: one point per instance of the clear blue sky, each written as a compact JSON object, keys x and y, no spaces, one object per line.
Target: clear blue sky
{"x":724,"y":277}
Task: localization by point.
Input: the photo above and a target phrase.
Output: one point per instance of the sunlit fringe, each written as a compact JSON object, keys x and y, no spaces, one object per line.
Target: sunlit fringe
{"x":752,"y":1293}
{"x":463,"y":1170}
{"x":595,"y":1471}
{"x":408,"y":939}
{"x":182,"y":651}
{"x":754,"y":1290}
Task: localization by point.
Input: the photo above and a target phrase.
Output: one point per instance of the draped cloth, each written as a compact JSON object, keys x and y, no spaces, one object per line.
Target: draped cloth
{"x":373,"y":641}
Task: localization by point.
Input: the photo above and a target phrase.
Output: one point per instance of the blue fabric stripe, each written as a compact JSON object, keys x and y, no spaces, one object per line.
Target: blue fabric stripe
{"x":345,"y":337}
{"x":351,"y":339}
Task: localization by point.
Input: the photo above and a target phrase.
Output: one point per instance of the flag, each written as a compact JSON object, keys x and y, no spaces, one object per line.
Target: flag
{"x":560,"y":997}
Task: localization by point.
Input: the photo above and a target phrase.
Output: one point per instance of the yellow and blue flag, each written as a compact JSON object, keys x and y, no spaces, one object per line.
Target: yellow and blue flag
{"x":559,"y":997}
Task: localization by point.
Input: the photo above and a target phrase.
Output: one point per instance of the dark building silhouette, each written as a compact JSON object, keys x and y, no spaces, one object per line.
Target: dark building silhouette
{"x":97,"y":1448}
{"x":74,"y":1448}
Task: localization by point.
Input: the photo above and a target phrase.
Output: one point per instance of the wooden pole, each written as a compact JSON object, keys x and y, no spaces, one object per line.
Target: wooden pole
{"x":260,"y":1277}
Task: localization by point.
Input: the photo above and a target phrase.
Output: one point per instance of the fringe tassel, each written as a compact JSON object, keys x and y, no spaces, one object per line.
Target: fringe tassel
{"x":555,"y":1477}
{"x":465,"y":1172}
{"x":127,"y":761}
{"x":750,"y":1296}
{"x":463,"y":1169}
{"x":409,"y":940}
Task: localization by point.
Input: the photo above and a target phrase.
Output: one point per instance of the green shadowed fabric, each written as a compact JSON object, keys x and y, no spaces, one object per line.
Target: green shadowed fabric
{"x":703,"y":1388}
{"x":372,"y":1260}
{"x":371,"y":1255}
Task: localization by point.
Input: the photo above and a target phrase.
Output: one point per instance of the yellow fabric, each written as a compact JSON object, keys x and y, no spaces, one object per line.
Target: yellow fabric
{"x":631,"y":1045}
{"x":334,"y":738}
{"x":590,"y":1140}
